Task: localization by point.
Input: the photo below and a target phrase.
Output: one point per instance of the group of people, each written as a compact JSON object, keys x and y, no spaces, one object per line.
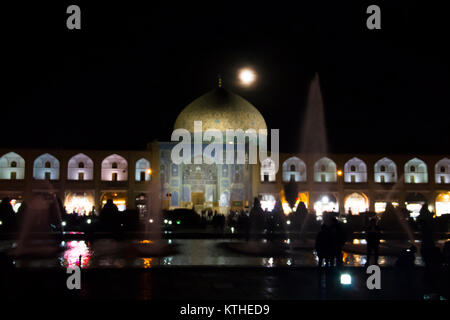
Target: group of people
{"x":217,"y":219}
{"x":330,"y":241}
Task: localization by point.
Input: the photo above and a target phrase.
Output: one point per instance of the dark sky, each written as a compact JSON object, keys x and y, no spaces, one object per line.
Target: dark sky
{"x":121,"y":81}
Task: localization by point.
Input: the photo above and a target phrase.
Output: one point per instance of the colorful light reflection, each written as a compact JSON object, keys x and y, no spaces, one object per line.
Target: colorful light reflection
{"x":75,"y":250}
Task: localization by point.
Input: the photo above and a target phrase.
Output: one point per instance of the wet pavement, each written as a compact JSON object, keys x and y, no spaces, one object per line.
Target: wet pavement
{"x":109,"y":253}
{"x":209,"y":283}
{"x":205,"y":269}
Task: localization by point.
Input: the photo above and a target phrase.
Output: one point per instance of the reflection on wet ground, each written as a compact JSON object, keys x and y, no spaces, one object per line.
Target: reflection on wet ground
{"x":108,"y":253}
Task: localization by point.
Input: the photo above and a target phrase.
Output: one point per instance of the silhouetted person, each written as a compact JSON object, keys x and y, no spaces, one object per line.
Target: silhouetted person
{"x":324,"y":245}
{"x":339,"y":239}
{"x":256,"y":217}
{"x":373,"y":236}
{"x":7,"y":215}
{"x":109,"y":215}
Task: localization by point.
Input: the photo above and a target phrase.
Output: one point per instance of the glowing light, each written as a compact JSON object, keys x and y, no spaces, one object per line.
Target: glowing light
{"x":325,"y":204}
{"x":302,"y":197}
{"x":149,"y":171}
{"x":147,"y":262}
{"x":339,"y":172}
{"x":442,"y":204}
{"x":89,"y":221}
{"x":414,"y":208}
{"x":77,"y":251}
{"x":165,"y":221}
{"x":170,"y":221}
{"x":178,"y":222}
{"x":288,"y":222}
{"x":63,"y":223}
{"x":15,"y":205}
{"x":1,"y":222}
{"x":356,"y":203}
{"x":267,"y":202}
{"x":346,"y":279}
{"x":380,"y":207}
{"x":145,"y":241}
{"x":151,"y":220}
{"x":120,"y":203}
{"x":80,"y":204}
{"x":247,"y":76}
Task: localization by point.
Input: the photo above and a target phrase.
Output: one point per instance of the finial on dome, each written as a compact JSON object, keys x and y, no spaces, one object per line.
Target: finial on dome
{"x":219,"y":81}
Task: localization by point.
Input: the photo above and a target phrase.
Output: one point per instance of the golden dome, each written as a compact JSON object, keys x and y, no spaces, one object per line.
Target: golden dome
{"x":220,"y":109}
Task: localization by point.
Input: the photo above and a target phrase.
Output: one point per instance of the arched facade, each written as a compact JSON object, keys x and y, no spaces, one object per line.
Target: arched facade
{"x":385,"y":171}
{"x":355,"y":171}
{"x":143,"y":172}
{"x":294,"y":169}
{"x":325,"y":203}
{"x":80,"y":167}
{"x":356,"y":203}
{"x":443,"y":203}
{"x":325,"y":170}
{"x":114,"y":168}
{"x":268,"y":170}
{"x":442,"y":171}
{"x":416,"y":171}
{"x":12,"y":166}
{"x":46,"y":167}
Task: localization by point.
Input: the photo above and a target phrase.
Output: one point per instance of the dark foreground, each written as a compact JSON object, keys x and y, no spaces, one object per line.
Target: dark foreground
{"x":211,"y":283}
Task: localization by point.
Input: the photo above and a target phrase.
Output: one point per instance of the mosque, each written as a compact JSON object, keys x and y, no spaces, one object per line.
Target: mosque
{"x":133,"y":179}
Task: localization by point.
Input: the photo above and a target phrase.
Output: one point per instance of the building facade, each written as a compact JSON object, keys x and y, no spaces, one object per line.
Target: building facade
{"x":141,"y":179}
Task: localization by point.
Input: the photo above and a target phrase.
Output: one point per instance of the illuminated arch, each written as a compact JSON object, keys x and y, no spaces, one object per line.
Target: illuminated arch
{"x":325,"y":170}
{"x":12,"y":166}
{"x":385,"y":171}
{"x":268,"y":170}
{"x":80,"y":167}
{"x":294,"y":168}
{"x":326,"y":203}
{"x":443,"y":203}
{"x":46,"y":166}
{"x":355,"y":170}
{"x":442,"y":171}
{"x":114,"y":167}
{"x":416,"y":171}
{"x":356,"y":203}
{"x":143,"y":170}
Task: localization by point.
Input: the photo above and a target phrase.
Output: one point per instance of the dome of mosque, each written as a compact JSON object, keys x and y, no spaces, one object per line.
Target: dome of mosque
{"x":220,"y":109}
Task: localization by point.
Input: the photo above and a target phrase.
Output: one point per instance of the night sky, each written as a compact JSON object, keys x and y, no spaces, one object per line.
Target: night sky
{"x":121,"y":81}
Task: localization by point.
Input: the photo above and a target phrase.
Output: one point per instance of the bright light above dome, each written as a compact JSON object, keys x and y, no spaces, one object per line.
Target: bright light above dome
{"x":247,"y":76}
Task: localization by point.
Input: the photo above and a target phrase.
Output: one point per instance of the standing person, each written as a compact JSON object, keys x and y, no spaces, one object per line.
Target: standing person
{"x":373,"y":235}
{"x":324,"y":246}
{"x":210,"y":214}
{"x":339,"y":239}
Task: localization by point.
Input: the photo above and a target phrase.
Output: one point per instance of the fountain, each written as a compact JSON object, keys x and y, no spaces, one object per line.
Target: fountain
{"x":314,"y":134}
{"x":39,"y":220}
{"x":152,"y":244}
